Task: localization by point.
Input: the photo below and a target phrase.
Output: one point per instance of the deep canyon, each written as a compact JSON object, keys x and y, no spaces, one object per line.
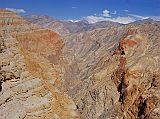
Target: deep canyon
{"x":65,"y":71}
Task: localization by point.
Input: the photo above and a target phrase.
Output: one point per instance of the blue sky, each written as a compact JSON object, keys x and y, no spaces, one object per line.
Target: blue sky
{"x":89,"y":9}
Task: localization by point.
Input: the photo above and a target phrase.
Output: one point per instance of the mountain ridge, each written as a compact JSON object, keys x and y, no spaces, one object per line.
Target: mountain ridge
{"x":67,"y":27}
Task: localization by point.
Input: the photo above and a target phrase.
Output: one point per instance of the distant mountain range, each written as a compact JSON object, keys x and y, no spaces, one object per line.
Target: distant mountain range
{"x":67,"y":27}
{"x":64,"y":27}
{"x":144,"y":21}
{"x":156,"y":18}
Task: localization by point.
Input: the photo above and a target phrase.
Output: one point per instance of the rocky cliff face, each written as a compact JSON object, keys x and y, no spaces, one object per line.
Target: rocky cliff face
{"x":27,"y":74}
{"x":106,"y":73}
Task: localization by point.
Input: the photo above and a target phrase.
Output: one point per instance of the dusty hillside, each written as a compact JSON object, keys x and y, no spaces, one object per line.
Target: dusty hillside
{"x":106,"y":73}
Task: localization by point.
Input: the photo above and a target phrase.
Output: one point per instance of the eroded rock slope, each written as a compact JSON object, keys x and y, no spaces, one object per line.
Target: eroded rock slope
{"x":27,"y":74}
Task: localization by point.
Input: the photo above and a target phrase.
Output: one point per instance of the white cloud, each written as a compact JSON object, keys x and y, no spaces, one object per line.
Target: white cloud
{"x":126,"y":10}
{"x":106,"y":13}
{"x":94,"y":19}
{"x":73,"y":20}
{"x":16,"y":10}
{"x":115,"y":12}
{"x":123,"y":20}
{"x":138,"y":16}
{"x":74,"y":7}
{"x":105,"y":16}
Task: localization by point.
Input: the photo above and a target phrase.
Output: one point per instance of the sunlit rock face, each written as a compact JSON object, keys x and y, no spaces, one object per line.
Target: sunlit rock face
{"x":105,"y":73}
{"x":29,"y":69}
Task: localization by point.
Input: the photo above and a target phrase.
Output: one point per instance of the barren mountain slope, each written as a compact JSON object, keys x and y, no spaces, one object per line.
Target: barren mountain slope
{"x":27,"y":75}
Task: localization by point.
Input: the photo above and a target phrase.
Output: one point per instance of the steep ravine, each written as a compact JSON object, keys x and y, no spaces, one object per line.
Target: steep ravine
{"x":119,"y":77}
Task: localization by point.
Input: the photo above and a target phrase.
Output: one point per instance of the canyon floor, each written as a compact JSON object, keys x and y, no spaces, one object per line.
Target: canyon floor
{"x":96,"y":72}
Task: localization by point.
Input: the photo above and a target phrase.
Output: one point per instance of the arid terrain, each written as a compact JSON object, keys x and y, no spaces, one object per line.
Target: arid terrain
{"x":51,"y":69}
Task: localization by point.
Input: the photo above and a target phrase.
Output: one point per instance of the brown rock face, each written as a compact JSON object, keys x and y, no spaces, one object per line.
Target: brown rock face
{"x":107,"y":73}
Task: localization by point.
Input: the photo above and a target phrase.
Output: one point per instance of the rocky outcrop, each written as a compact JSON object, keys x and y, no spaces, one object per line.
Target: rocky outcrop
{"x":10,"y":18}
{"x":135,"y":75}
